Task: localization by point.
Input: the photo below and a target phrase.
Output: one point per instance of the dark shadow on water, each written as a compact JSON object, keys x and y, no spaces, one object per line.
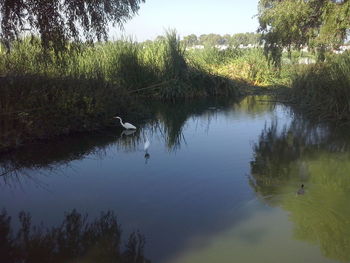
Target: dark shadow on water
{"x":76,"y":239}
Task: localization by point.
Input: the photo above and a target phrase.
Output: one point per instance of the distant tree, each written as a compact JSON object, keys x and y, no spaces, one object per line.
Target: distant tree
{"x":226,"y":39}
{"x":210,"y":40}
{"x":57,"y":21}
{"x":244,"y":39}
{"x":160,"y":38}
{"x":190,"y":40}
{"x":238,"y":39}
{"x":320,"y":24}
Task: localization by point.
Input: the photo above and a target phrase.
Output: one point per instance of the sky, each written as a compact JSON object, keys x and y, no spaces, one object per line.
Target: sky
{"x":191,"y":17}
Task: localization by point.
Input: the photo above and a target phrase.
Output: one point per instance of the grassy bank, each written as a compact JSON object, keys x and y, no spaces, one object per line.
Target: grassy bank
{"x":323,"y":89}
{"x":249,"y":66}
{"x":46,"y":94}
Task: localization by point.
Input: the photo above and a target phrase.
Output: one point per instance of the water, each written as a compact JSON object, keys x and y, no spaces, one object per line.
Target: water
{"x":219,"y":183}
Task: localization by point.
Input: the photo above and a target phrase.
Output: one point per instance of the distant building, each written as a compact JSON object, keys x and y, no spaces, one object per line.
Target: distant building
{"x":306,"y":60}
{"x":195,"y":47}
{"x":305,"y":49}
{"x":222,"y":47}
{"x":248,"y":46}
{"x":341,"y":49}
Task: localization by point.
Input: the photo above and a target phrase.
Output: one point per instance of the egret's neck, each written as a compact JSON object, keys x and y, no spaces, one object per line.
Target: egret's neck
{"x":120,"y":119}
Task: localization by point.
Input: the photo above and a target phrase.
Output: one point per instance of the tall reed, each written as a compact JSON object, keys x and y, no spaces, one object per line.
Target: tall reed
{"x":247,"y":65}
{"x":324,"y":89}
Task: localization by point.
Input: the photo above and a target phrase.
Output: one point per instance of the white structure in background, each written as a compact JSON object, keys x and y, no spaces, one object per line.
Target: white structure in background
{"x":302,"y":48}
{"x":306,"y":61}
{"x":342,"y":49}
{"x":222,"y":47}
{"x":195,"y":47}
{"x":305,"y":49}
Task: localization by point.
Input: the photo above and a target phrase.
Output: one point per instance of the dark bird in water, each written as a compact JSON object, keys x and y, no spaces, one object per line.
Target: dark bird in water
{"x":301,"y":190}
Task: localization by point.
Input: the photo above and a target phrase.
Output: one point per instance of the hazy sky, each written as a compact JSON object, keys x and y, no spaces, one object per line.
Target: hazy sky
{"x":191,"y":16}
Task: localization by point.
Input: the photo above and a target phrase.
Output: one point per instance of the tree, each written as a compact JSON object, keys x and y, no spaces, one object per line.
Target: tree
{"x":160,"y":38}
{"x":210,"y":39}
{"x":319,"y":24}
{"x":190,"y":40}
{"x":58,"y":21}
{"x":244,"y":39}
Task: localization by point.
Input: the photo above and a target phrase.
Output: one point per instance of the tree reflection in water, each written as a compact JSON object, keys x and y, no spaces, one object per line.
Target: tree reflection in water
{"x":168,"y":123}
{"x":319,"y":157}
{"x":75,"y":240}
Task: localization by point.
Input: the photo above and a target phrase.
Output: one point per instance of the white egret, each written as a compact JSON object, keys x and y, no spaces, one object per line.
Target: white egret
{"x":126,"y":125}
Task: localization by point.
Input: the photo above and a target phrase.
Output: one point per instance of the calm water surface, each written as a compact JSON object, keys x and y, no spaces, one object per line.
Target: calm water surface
{"x":219,"y":183}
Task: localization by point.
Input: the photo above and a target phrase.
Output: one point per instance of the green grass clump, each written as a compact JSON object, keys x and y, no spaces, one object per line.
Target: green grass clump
{"x":323,"y":89}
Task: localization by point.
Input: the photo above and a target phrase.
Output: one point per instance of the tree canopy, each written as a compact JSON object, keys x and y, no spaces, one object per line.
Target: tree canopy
{"x":318,"y":24}
{"x":57,"y":21}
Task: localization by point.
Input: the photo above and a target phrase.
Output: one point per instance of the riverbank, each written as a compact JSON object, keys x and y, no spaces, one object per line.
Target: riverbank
{"x":46,"y":95}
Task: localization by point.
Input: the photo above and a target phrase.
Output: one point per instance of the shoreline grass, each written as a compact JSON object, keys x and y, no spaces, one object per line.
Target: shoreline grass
{"x":322,"y":90}
{"x":46,"y":94}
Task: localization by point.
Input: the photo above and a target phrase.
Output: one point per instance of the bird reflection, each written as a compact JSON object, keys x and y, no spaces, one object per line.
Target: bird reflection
{"x":145,"y":148}
{"x":127,"y":133}
{"x":147,"y":156}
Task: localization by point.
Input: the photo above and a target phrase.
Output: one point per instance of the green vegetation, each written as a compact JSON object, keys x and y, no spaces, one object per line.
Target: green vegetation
{"x":323,"y":89}
{"x":249,"y":66}
{"x":321,"y":27}
{"x":293,"y":24}
{"x":58,"y":23}
{"x":48,"y":94}
{"x":211,"y":40}
{"x":54,"y":84}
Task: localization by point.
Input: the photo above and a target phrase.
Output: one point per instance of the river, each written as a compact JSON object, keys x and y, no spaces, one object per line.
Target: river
{"x":220,"y":182}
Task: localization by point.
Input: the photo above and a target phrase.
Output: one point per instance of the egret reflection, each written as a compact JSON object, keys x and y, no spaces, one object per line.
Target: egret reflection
{"x":127,"y":133}
{"x":146,"y":146}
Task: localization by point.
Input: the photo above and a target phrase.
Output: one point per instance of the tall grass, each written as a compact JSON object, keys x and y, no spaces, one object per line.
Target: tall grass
{"x":249,"y":66}
{"x":323,"y":89}
{"x":45,"y":94}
